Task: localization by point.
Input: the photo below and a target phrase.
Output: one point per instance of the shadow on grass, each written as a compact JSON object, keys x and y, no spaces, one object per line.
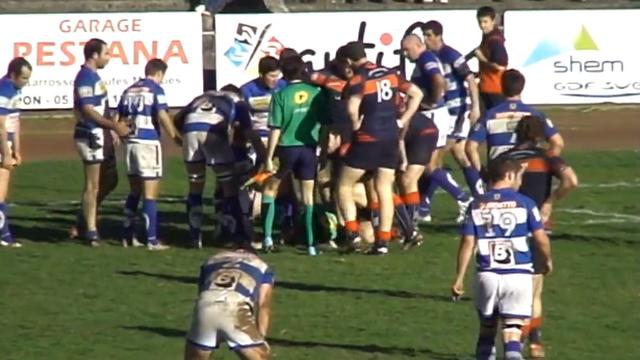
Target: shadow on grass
{"x":365,"y":348}
{"x":289,"y":285}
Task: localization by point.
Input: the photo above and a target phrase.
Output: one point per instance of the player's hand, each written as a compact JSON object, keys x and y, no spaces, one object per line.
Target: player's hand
{"x":268,"y":166}
{"x":545,"y":211}
{"x":344,"y":149}
{"x":474,"y":115}
{"x":8,"y":162}
{"x":17,"y":159}
{"x":178,"y":140}
{"x":457,"y":289}
{"x":546,"y":268}
{"x":121,"y":129}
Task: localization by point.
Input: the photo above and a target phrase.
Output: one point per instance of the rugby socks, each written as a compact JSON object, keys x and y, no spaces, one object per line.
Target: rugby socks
{"x":130,"y":209}
{"x":443,"y":179}
{"x":150,"y":211}
{"x":403,"y":217}
{"x":472,"y":176}
{"x":412,"y":203}
{"x":5,"y":234}
{"x":243,"y":225}
{"x":352,"y":228}
{"x":382,"y":238}
{"x":308,"y":223}
{"x":194,"y":215}
{"x":485,"y":347}
{"x":535,"y":331}
{"x":268,"y":214}
{"x":374,"y":208}
{"x":424,"y":186}
{"x":513,"y":350}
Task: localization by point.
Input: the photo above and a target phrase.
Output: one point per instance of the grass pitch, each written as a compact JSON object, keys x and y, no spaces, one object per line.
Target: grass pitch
{"x":61,"y":300}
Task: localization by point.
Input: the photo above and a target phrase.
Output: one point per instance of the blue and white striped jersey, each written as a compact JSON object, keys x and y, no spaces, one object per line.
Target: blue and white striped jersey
{"x":498,"y":125}
{"x":239,"y":273}
{"x":139,"y":107}
{"x":501,"y":221}
{"x":216,"y":111}
{"x":455,"y":70}
{"x":88,"y":89}
{"x":9,"y":102}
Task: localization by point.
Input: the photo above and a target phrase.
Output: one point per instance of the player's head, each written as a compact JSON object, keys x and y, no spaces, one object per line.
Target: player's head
{"x":269,"y":70}
{"x":293,"y":68}
{"x":19,"y":72}
{"x":486,"y":16}
{"x":156,"y":68}
{"x":530,"y":129}
{"x":413,"y":46}
{"x":354,"y":52}
{"x":96,"y":50}
{"x":232,"y":91}
{"x":341,"y":68}
{"x":432,"y":32}
{"x":512,"y":83}
{"x":287,"y":52}
{"x":504,"y":172}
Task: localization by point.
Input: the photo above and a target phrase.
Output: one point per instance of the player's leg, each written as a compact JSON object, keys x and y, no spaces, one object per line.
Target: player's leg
{"x":349,"y":176}
{"x":90,"y":202}
{"x":511,"y":333}
{"x":411,"y":200}
{"x":195,"y":164}
{"x":147,"y":165}
{"x":6,"y":239}
{"x":150,"y":213}
{"x":486,"y":297}
{"x":268,"y":208}
{"x":130,"y":211}
{"x":536,"y":349}
{"x":202,"y":337}
{"x":239,"y":212}
{"x":305,"y":171}
{"x":384,"y":180}
{"x":515,"y":305}
{"x":192,"y":352}
{"x":258,"y":352}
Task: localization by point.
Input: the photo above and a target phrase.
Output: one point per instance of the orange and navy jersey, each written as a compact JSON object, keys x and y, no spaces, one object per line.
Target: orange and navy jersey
{"x":492,"y":47}
{"x":333,"y":87}
{"x":540,"y":171}
{"x":379,"y":88}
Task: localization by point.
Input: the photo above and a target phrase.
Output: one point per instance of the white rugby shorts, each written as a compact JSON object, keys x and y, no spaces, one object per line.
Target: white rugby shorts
{"x":144,"y":159}
{"x":508,"y":295}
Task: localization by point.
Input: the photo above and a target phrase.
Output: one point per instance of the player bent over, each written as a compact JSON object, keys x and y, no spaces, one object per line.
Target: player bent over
{"x":143,"y":108}
{"x":294,"y":120}
{"x":496,"y":225}
{"x":18,"y":74}
{"x":205,"y":124}
{"x":234,"y":304}
{"x":92,"y":137}
{"x":536,"y":184}
{"x":372,"y":109}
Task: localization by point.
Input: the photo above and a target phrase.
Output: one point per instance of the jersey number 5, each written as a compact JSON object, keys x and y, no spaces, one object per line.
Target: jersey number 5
{"x":384,"y":90}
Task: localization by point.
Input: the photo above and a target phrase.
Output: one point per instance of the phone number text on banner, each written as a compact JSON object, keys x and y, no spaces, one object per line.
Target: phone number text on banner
{"x":55,"y":50}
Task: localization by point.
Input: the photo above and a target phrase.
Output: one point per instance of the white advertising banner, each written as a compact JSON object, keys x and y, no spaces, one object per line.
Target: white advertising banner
{"x":242,"y":39}
{"x":575,"y":56}
{"x":53,"y":44}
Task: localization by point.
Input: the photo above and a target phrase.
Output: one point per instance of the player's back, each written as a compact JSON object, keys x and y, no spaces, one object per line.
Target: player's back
{"x":501,"y":220}
{"x":234,"y":275}
{"x":139,"y":106}
{"x":428,"y":66}
{"x":89,"y":89}
{"x":298,"y":109}
{"x":500,"y":123}
{"x":455,"y":69}
{"x":212,"y":111}
{"x":334,"y":86}
{"x":539,"y":172}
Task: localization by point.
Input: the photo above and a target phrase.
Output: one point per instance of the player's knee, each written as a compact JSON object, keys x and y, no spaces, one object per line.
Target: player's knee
{"x":488,"y":326}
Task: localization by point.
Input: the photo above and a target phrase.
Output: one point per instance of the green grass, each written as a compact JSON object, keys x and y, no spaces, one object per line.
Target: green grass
{"x":61,"y":300}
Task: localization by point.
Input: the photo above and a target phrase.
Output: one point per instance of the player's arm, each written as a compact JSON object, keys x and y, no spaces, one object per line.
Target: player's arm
{"x":473,"y":153}
{"x":474,"y":94}
{"x":465,"y":250}
{"x":414,"y":98}
{"x":542,"y":248}
{"x":243,"y":118}
{"x":568,"y":182}
{"x":275,"y":121}
{"x":17,"y":148}
{"x":169,"y":127}
{"x":85,"y":92}
{"x":497,"y":59}
{"x":353,"y":108}
{"x":264,"y":308}
{"x":556,"y":143}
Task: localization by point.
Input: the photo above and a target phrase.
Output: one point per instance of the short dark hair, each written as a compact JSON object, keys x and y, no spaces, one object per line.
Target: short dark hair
{"x":287,"y":52}
{"x":93,"y":46}
{"x":486,"y":11}
{"x":293,"y":68}
{"x":268,"y":64}
{"x":530,"y":128}
{"x":498,"y":168}
{"x":354,"y":51}
{"x":341,"y":52}
{"x":432,"y":25}
{"x":232,"y":89}
{"x":154,"y":66}
{"x":339,"y":67}
{"x":512,"y":83}
{"x":16,"y":65}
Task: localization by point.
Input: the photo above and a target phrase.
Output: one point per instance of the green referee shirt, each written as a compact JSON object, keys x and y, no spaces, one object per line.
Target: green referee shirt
{"x":297,"y":110}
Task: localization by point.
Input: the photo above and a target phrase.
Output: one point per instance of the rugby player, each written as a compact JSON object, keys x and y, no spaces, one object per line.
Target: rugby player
{"x":496,"y":226}
{"x":537,"y":185}
{"x":143,"y":108}
{"x":428,"y":75}
{"x":234,"y":304}
{"x":371,"y":103}
{"x":463,"y":104}
{"x":497,"y":126}
{"x":492,"y":58}
{"x":18,"y":74}
{"x":93,"y":138}
{"x":205,"y":124}
{"x":294,"y":120}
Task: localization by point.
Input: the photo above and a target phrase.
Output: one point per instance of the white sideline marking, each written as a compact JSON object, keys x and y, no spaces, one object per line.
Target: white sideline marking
{"x":610,"y":215}
{"x":622,"y":184}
